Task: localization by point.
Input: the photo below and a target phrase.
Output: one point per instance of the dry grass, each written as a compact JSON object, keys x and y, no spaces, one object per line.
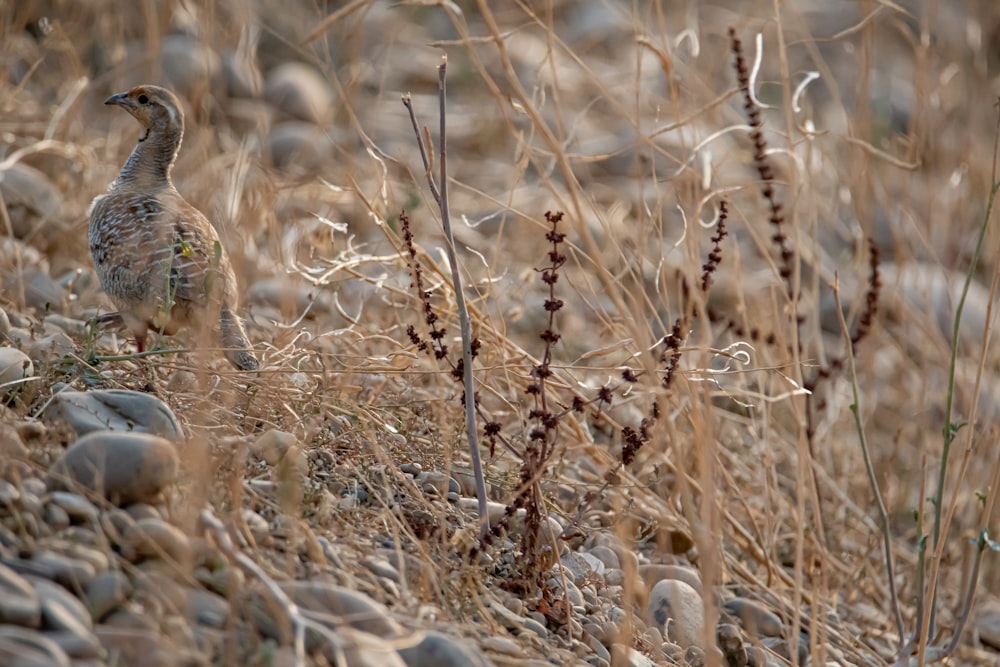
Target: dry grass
{"x":628,"y":118}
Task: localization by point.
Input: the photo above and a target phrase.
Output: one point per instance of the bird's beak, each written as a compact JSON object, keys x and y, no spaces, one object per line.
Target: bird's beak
{"x":121,"y":99}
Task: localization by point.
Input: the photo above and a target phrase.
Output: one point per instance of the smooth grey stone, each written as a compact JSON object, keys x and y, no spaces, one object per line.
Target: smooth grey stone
{"x":32,"y":200}
{"x":69,"y":572}
{"x":61,"y":610}
{"x":52,"y":347}
{"x":155,"y":538}
{"x":23,"y":647}
{"x":123,"y":467}
{"x":113,"y":410}
{"x":756,"y":620}
{"x":14,"y":366}
{"x":351,"y":607}
{"x":106,"y":592}
{"x":208,"y":609}
{"x":437,"y":650}
{"x":299,"y":92}
{"x":76,"y":506}
{"x":677,"y":609}
{"x":19,"y":602}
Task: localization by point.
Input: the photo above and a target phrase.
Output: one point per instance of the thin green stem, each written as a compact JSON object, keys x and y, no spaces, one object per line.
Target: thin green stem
{"x":870,"y":468}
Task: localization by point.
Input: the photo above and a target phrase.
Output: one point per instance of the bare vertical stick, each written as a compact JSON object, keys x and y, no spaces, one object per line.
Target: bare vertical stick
{"x":463,"y":312}
{"x":441,"y":196}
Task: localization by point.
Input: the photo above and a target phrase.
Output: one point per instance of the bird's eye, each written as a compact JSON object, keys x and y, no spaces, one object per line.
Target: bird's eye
{"x":142,"y":99}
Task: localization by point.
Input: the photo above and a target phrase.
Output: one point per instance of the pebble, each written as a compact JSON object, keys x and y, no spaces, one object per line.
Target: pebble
{"x":106,"y":592}
{"x":66,"y":620}
{"x":273,"y":445}
{"x":729,"y":640}
{"x":138,"y":646}
{"x":123,"y":467}
{"x":434,"y":482}
{"x":69,"y":572}
{"x":438,"y":650}
{"x":190,"y":68}
{"x":53,"y":347}
{"x":11,"y":445}
{"x":14,"y":367}
{"x":583,"y":566}
{"x":157,"y":539}
{"x":345,"y":605}
{"x":502,"y":645}
{"x":23,"y":647}
{"x":607,"y":556}
{"x":298,"y":147}
{"x":78,"y":508}
{"x":756,"y":620}
{"x":56,"y":517}
{"x":677,"y":610}
{"x":651,"y":574}
{"x":112,"y":410}
{"x":19,"y":602}
{"x":32,"y":200}
{"x":206,"y":608}
{"x":381,"y":568}
{"x":299,"y":91}
{"x":624,"y":655}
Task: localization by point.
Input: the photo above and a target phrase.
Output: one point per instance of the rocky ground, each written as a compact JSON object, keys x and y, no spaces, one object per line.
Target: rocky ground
{"x":164,"y":509}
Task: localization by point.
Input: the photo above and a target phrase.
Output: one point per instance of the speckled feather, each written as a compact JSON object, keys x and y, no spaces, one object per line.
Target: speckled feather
{"x":157,"y":257}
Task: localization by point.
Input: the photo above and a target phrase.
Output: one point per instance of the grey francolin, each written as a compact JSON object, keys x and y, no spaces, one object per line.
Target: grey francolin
{"x":158,"y":257}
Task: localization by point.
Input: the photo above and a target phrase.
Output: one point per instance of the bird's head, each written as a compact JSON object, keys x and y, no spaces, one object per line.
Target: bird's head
{"x":157,"y":109}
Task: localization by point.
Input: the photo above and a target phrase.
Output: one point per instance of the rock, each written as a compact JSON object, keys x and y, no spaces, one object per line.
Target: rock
{"x":757,"y":621}
{"x":381,"y":568}
{"x":51,"y":348}
{"x":70,"y":572}
{"x":123,"y":467}
{"x":756,"y":657}
{"x":437,"y":650}
{"x":19,"y":602}
{"x":298,"y":147}
{"x":138,"y":646}
{"x":32,"y":200}
{"x":651,"y":574}
{"x":15,"y":366}
{"x":112,"y":410}
{"x":206,"y":609}
{"x":607,"y":556}
{"x":360,"y":649}
{"x":694,"y":657}
{"x":22,"y":647}
{"x":299,"y":91}
{"x":157,"y":539}
{"x":731,"y":642}
{"x":350,"y":607}
{"x":435,"y":482}
{"x":677,"y":609}
{"x":272,"y":445}
{"x":190,"y":68}
{"x":105,"y":592}
{"x":41,"y":292}
{"x":584,"y":566}
{"x":627,"y":656}
{"x":77,"y":507}
{"x":66,"y":620}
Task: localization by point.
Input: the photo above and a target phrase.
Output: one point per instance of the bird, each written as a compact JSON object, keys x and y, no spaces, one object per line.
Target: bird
{"x":158,"y":257}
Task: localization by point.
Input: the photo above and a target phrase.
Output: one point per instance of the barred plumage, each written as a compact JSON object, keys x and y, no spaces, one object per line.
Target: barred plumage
{"x":157,"y":257}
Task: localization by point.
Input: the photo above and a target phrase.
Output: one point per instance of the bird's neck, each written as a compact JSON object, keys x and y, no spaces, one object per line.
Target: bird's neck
{"x":152,"y":158}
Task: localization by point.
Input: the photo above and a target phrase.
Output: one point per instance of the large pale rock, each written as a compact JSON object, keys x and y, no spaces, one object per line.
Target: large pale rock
{"x":677,"y":609}
{"x":125,"y":468}
{"x":113,"y":410}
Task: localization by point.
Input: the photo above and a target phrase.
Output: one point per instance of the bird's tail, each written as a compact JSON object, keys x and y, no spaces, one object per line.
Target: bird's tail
{"x":237,"y":345}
